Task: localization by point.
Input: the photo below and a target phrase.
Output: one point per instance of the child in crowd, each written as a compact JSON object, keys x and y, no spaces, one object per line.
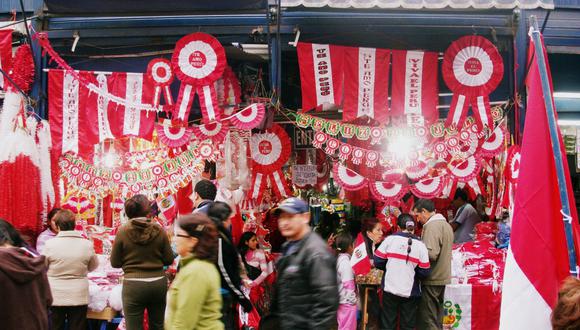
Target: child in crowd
{"x":346,"y":315}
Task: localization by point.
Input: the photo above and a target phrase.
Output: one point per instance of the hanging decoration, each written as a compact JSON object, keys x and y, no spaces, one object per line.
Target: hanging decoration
{"x":348,"y":179}
{"x":249,"y":117}
{"x":366,"y":83}
{"x":465,"y":169}
{"x":428,"y":188}
{"x":160,"y":73}
{"x":43,"y":41}
{"x":232,"y":90}
{"x":172,"y":134}
{"x":495,"y":142}
{"x":5,"y":54}
{"x":415,"y":88}
{"x":198,"y":61}
{"x":513,"y":164}
{"x":163,"y":179}
{"x":472,"y":69}
{"x":269,"y":151}
{"x":387,"y":191}
{"x":321,"y":74}
{"x":216,"y":132}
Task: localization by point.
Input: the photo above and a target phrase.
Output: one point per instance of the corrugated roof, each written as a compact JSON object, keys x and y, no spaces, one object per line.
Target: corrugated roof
{"x":418,"y":4}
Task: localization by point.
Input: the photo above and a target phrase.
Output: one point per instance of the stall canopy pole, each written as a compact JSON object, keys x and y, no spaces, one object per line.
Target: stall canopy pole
{"x":549,"y":103}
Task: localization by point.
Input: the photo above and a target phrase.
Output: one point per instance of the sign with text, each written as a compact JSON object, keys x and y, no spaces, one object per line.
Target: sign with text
{"x":303,"y":174}
{"x":303,"y":138}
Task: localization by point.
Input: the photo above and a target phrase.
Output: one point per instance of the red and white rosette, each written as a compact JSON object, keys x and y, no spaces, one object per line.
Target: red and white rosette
{"x":206,"y":150}
{"x":357,"y":155}
{"x":216,"y":131}
{"x":173,"y":134}
{"x":372,"y":157}
{"x":160,"y":74}
{"x":348,"y":179}
{"x":464,"y":169}
{"x":270,"y":151}
{"x":377,"y":133}
{"x":198,"y":61}
{"x":472,"y":69}
{"x":513,"y":164}
{"x":344,"y":150}
{"x":331,"y":145}
{"x":440,"y":150}
{"x":319,"y":139}
{"x":428,"y":188}
{"x":495,"y":142}
{"x":249,"y":117}
{"x":387,"y":191}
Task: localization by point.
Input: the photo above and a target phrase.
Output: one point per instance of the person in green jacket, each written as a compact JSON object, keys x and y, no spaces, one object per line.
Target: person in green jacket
{"x":194,"y":300}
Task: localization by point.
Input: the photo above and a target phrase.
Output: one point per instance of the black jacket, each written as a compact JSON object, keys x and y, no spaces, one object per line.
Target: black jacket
{"x":306,"y":294}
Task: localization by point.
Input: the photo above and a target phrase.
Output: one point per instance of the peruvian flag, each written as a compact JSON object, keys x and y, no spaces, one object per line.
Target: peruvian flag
{"x":415,"y":85}
{"x":131,"y":120}
{"x":321,"y":74}
{"x":537,"y":259}
{"x":360,"y":260}
{"x":5,"y":53}
{"x":71,"y":120}
{"x":366,"y":87}
{"x":471,"y":307}
{"x":167,"y":207}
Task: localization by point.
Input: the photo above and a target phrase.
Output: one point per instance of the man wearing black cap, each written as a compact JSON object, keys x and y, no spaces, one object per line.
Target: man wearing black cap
{"x":306,"y":294}
{"x":203,"y":196}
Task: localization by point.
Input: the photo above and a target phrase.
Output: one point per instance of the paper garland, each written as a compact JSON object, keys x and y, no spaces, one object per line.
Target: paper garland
{"x":385,"y":191}
{"x":165,"y":178}
{"x":472,"y":69}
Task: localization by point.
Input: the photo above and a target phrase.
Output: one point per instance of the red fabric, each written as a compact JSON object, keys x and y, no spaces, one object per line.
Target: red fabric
{"x":20,"y":196}
{"x":107,"y":211}
{"x":537,"y":216}
{"x":5,"y":53}
{"x":80,"y":125}
{"x":184,"y":203}
{"x":321,"y":74}
{"x":237,"y":225}
{"x":415,"y":85}
{"x":360,"y":257}
{"x":136,"y":90}
{"x":366,"y":84}
{"x":485,"y":307}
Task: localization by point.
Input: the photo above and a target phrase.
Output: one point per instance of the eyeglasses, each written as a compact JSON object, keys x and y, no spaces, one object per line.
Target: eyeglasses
{"x":184,"y":236}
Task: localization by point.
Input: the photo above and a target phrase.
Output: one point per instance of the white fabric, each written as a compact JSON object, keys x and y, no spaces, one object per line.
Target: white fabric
{"x":400,"y":273}
{"x":345,"y":275}
{"x":413,"y":82}
{"x":366,"y":79}
{"x":522,"y":306}
{"x":321,"y":56}
{"x":459,"y":294}
{"x":134,"y":95}
{"x":414,"y":4}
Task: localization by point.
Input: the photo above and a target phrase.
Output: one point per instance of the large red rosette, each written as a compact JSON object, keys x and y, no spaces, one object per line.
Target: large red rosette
{"x":472,"y":69}
{"x":269,"y":151}
{"x":198,"y":61}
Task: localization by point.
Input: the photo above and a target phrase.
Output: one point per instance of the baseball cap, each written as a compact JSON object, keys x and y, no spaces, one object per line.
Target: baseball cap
{"x":292,"y":205}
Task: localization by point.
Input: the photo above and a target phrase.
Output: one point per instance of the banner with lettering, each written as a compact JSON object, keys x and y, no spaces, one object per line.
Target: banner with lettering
{"x":321,"y":74}
{"x":366,"y":87}
{"x":415,"y":86}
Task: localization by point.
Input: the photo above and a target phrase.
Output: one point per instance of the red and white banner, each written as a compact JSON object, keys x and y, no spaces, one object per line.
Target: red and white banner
{"x":360,"y":260}
{"x":131,"y":121}
{"x":5,"y":53}
{"x":72,"y":120}
{"x":471,"y":307}
{"x":366,"y":86}
{"x":415,"y":85}
{"x":321,"y":74}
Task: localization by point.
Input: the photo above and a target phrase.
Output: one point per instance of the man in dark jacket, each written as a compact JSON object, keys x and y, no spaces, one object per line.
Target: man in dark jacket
{"x":306,"y":294}
{"x":203,"y":196}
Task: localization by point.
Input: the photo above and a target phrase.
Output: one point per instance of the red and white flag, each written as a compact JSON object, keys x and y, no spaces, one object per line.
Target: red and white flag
{"x":321,"y":74}
{"x":5,"y":53}
{"x":167,"y":207}
{"x":415,"y":85}
{"x":366,"y":86}
{"x":135,"y":90}
{"x":72,"y":125}
{"x":360,"y":260}
{"x":537,"y":259}
{"x":471,"y":307}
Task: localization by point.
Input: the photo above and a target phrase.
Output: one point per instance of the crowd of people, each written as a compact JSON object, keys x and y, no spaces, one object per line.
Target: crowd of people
{"x":315,"y":287}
